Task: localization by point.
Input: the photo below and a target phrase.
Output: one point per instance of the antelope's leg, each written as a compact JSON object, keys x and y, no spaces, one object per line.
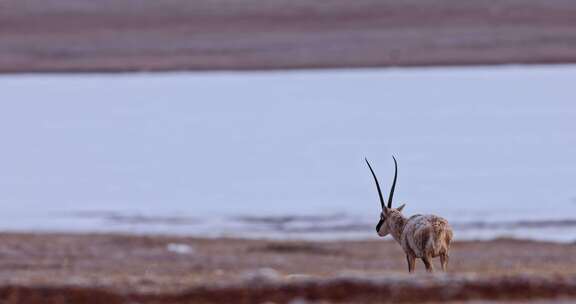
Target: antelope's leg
{"x":411,"y":262}
{"x":428,"y":263}
{"x":444,"y":261}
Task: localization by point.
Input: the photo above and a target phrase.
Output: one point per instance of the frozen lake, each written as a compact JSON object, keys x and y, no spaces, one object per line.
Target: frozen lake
{"x":281,"y":154}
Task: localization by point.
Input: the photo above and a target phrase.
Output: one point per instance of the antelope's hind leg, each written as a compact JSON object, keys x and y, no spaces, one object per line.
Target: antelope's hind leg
{"x":444,"y":258}
{"x":428,"y":263}
{"x":411,"y":262}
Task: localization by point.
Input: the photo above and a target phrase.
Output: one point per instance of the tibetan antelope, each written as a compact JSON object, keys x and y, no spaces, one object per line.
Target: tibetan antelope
{"x":421,"y":236}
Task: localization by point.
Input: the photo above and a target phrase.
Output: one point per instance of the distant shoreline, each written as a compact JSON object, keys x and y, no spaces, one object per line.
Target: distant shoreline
{"x":108,"y":36}
{"x":288,"y":227}
{"x":320,"y":227}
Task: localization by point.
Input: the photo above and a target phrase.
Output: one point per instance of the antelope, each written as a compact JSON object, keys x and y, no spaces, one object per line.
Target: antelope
{"x":421,"y":236}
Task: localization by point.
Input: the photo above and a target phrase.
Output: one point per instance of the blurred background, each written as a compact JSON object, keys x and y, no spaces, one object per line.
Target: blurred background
{"x":279,"y":153}
{"x":155,"y":130}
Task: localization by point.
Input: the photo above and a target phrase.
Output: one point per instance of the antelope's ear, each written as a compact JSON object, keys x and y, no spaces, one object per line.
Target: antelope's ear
{"x":401,"y":207}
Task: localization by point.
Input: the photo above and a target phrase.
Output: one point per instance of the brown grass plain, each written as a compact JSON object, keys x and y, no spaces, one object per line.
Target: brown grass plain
{"x":176,"y":35}
{"x":109,"y":268}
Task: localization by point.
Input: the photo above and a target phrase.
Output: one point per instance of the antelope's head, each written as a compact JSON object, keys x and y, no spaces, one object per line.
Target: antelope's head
{"x":382,"y":228}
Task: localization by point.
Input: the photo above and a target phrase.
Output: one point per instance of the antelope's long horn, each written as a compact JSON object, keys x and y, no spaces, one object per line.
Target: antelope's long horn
{"x":393,"y":183}
{"x":377,"y":184}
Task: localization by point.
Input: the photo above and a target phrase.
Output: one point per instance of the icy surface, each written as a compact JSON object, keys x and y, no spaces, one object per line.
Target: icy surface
{"x":208,"y":153}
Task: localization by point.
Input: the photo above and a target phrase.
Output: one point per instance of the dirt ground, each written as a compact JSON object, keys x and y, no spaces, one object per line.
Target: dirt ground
{"x":149,"y":35}
{"x":149,"y":268}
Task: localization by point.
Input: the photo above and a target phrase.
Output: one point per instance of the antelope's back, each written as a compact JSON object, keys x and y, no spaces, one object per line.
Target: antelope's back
{"x":427,"y":235}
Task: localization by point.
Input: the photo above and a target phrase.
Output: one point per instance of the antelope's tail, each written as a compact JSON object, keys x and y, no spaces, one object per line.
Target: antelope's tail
{"x":441,"y":241}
